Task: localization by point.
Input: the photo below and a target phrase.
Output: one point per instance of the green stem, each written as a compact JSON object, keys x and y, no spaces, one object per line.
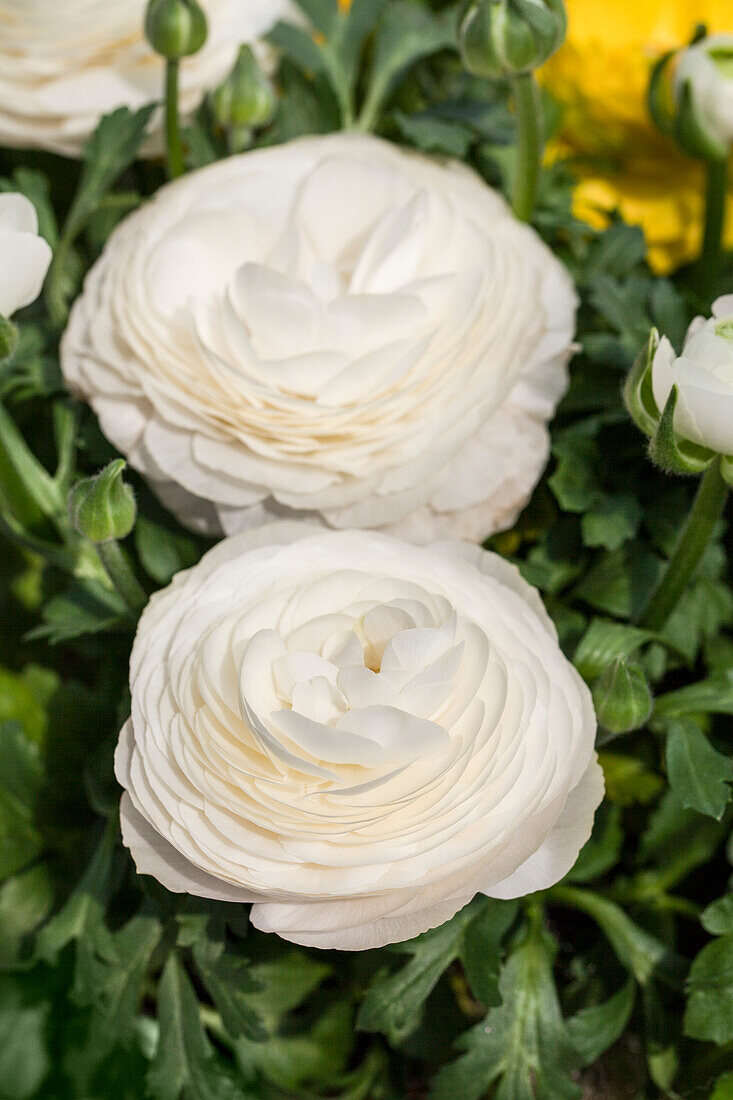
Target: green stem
{"x":706,"y":511}
{"x":176,"y":166}
{"x":530,"y":144}
{"x":708,"y":267}
{"x":118,"y":570}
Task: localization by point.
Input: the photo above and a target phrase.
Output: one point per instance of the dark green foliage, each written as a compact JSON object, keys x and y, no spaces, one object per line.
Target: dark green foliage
{"x":111,"y":988}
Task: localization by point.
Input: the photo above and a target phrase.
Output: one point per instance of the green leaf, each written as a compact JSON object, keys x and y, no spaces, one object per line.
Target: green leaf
{"x":284,"y":983}
{"x":602,"y":850}
{"x":723,"y":1088}
{"x":294,"y":1059}
{"x":524,"y":1046}
{"x":435,"y":135}
{"x":628,"y":779}
{"x":711,"y":696}
{"x":698,"y":774}
{"x":611,"y":521}
{"x":24,"y":1055}
{"x":163,"y":553}
{"x":636,"y":949}
{"x":25,"y":902}
{"x":81,"y":917}
{"x":27,"y":490}
{"x":603,"y":642}
{"x":620,"y":581}
{"x":21,"y":781}
{"x":229,"y":980}
{"x":406,"y":32}
{"x":709,"y":1011}
{"x":593,"y":1030}
{"x":110,"y":972}
{"x":481,"y":951}
{"x":677,"y":840}
{"x":393,"y":1004}
{"x":185,"y":1064}
{"x":110,"y":150}
{"x":718,"y":917}
{"x":86,"y":607}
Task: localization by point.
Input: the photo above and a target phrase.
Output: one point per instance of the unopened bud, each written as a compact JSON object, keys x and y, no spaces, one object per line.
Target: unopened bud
{"x":246,"y":99}
{"x":103,"y":507}
{"x":622,"y":697}
{"x":511,"y":37}
{"x":175,"y":28}
{"x":691,"y":97}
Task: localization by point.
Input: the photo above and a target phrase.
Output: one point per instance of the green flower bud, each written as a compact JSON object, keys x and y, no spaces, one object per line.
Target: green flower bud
{"x":247,"y":97}
{"x":103,"y":507}
{"x":511,"y":37}
{"x":622,"y":697}
{"x":8,"y":338}
{"x":175,"y":28}
{"x":689,"y":93}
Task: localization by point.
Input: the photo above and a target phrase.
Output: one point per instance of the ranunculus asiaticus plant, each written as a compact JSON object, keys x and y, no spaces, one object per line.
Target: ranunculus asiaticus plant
{"x":65,"y":63}
{"x":600,"y":76}
{"x":355,"y":734}
{"x":334,"y":327}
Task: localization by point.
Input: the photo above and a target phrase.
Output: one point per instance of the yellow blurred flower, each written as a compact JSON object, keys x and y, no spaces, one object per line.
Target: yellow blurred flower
{"x":600,"y":76}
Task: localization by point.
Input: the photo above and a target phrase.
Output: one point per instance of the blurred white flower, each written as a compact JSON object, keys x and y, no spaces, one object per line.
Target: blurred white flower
{"x":333,"y":326}
{"x":65,"y":63}
{"x":354,"y":733}
{"x":707,"y":68}
{"x":703,"y":375}
{"x":24,"y":256}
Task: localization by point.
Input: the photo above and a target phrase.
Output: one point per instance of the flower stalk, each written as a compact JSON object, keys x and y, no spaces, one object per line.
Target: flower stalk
{"x":704,"y":515}
{"x":119,"y":571}
{"x":176,"y":166}
{"x":708,"y":267}
{"x":530,"y":145}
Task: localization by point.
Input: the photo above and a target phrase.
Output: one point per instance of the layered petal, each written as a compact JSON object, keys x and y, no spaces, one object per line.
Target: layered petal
{"x":334,"y":328}
{"x":355,"y":733}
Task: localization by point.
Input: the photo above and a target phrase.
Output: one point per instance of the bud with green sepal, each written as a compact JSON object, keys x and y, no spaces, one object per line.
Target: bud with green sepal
{"x":245,"y":101}
{"x":684,"y":404}
{"x":512,"y":38}
{"x":622,"y":697}
{"x":691,"y":100}
{"x":103,"y":507}
{"x":502,"y":38}
{"x":175,"y":28}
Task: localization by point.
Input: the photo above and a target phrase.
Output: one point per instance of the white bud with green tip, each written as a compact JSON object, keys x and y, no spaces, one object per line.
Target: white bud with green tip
{"x":511,"y":37}
{"x":703,"y":86}
{"x":684,"y":403}
{"x":246,"y":99}
{"x":175,"y":28}
{"x":103,"y":507}
{"x":622,"y":697}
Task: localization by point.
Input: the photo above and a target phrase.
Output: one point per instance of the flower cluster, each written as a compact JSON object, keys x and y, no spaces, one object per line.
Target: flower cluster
{"x":332,"y":327}
{"x":355,"y":734}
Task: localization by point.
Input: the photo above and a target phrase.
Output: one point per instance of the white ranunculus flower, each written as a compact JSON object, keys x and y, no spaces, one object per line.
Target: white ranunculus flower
{"x":65,"y":63}
{"x":24,"y":256}
{"x":707,"y":66}
{"x":333,"y":326}
{"x":703,"y":375}
{"x":354,"y":733}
